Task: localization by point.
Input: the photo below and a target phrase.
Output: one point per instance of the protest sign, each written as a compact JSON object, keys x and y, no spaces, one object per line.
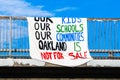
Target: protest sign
{"x":59,"y":40}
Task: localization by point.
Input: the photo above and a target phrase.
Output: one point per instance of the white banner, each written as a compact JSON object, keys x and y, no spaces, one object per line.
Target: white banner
{"x":61,"y":41}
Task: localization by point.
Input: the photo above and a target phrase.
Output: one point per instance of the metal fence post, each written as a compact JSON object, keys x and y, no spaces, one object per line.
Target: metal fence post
{"x":10,"y":46}
{"x":111,"y":56}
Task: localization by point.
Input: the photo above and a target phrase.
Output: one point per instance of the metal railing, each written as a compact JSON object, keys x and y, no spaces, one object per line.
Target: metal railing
{"x":14,"y":42}
{"x":103,"y":37}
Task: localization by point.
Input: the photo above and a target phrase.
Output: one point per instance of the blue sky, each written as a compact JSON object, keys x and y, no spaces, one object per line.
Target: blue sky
{"x":61,"y":8}
{"x":55,"y":8}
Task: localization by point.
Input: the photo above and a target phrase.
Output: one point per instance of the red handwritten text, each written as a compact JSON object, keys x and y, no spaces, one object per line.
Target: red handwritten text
{"x":51,"y":55}
{"x":78,"y":55}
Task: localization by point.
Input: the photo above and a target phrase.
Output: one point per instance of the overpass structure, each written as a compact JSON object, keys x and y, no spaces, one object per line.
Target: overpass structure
{"x":103,"y":42}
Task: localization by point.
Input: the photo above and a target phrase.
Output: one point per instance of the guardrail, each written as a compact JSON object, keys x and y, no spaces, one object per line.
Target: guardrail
{"x":103,"y":37}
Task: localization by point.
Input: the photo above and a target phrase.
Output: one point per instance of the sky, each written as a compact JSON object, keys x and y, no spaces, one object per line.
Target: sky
{"x":57,"y":8}
{"x":61,"y":8}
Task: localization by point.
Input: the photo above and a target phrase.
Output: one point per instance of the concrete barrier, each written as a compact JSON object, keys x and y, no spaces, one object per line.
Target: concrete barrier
{"x":34,"y":62}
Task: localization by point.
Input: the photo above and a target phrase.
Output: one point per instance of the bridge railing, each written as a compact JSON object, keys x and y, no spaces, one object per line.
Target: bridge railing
{"x":103,"y":37}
